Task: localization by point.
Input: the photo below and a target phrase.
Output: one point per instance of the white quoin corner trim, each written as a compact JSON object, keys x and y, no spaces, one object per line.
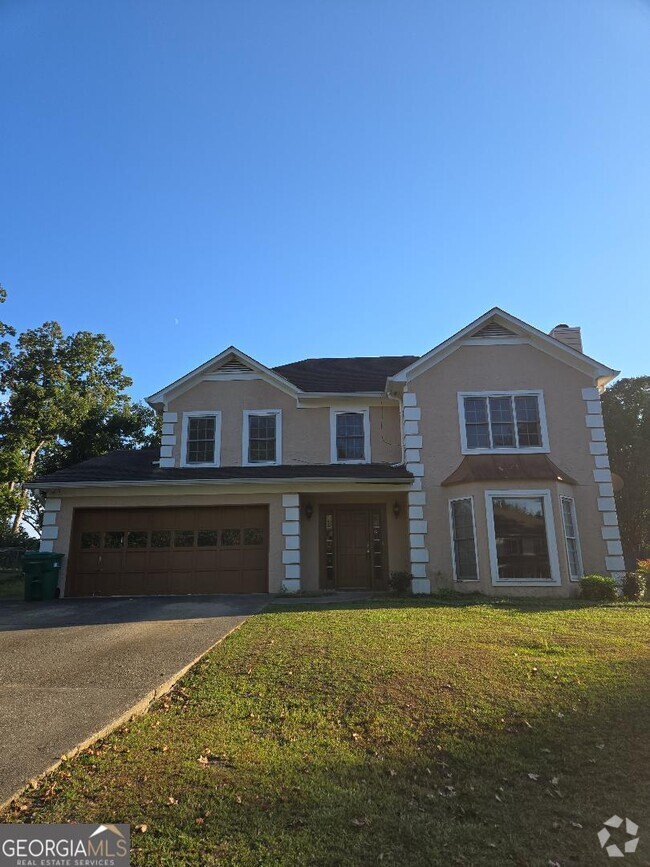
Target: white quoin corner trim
{"x":613,"y":553}
{"x":411,"y":415}
{"x":168,"y":440}
{"x":291,"y":555}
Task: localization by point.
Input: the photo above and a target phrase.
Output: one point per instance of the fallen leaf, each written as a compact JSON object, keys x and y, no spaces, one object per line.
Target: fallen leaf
{"x":141,"y":828}
{"x":533,"y":776}
{"x":360,"y":823}
{"x":199,"y":821}
{"x":555,"y":781}
{"x":172,"y":801}
{"x":576,"y":825}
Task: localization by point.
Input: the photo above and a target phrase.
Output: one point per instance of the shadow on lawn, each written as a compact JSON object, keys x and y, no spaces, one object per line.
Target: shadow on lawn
{"x":473,"y":802}
{"x":529,"y":793}
{"x":530,"y":605}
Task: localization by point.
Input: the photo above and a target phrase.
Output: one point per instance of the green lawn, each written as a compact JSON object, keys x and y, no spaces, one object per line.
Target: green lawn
{"x":399,"y":733}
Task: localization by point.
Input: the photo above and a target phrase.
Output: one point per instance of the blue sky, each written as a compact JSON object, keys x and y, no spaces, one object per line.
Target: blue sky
{"x":324,"y":177}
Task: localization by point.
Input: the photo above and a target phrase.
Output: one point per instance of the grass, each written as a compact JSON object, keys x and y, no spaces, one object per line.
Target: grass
{"x":11,"y":584}
{"x":396,"y":733}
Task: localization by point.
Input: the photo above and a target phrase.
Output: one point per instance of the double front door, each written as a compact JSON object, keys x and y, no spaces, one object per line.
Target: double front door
{"x":353,"y":555}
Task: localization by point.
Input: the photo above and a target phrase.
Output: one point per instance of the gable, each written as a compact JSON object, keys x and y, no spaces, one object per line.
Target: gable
{"x":498,"y":327}
{"x":231,"y":364}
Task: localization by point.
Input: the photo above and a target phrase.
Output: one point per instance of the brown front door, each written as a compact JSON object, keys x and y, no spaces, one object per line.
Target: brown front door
{"x":352,"y":547}
{"x":135,"y":552}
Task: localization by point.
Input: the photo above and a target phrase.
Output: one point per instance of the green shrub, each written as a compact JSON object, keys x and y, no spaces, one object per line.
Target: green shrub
{"x":400,"y":582}
{"x":599,"y":588}
{"x":634,"y":586}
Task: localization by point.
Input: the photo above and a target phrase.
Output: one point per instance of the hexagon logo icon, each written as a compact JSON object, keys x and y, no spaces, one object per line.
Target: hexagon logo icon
{"x":613,"y":850}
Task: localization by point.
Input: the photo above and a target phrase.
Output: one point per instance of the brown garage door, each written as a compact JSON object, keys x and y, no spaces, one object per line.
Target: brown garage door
{"x":136,"y":552}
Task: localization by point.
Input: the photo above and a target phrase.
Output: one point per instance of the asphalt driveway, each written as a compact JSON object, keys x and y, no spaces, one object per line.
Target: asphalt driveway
{"x":68,"y":669}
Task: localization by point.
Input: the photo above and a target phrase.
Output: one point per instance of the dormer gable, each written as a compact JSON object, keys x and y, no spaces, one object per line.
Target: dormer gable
{"x":231,"y":364}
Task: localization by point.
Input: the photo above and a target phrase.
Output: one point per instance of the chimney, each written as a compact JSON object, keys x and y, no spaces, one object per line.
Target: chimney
{"x":569,"y":335}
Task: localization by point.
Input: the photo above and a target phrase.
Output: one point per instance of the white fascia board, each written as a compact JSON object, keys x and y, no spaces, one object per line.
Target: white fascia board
{"x":180,"y":385}
{"x":318,"y":400}
{"x":544,"y":342}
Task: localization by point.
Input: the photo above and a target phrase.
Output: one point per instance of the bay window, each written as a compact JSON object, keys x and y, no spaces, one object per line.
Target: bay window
{"x":522,"y":537}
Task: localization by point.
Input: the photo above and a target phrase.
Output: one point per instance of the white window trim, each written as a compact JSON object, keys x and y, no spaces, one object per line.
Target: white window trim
{"x":549,"y":518}
{"x":577,"y":538}
{"x":527,"y":450}
{"x":365,"y":412}
{"x":453,"y":544}
{"x":245,"y":435}
{"x":217,"y":437}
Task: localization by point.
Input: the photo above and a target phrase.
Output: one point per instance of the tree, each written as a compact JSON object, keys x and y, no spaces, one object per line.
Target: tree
{"x":65,"y":401}
{"x":626,"y":410}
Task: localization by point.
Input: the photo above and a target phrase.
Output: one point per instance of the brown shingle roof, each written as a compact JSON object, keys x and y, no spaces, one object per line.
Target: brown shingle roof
{"x":506,"y":468}
{"x":137,"y":465}
{"x":344,"y":374}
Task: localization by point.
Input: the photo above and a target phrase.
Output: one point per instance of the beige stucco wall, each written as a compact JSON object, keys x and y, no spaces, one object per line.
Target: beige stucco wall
{"x":305,"y":430}
{"x":501,"y":368}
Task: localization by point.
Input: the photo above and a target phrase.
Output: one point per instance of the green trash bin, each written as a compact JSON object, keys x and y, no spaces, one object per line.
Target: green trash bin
{"x":41,"y":571}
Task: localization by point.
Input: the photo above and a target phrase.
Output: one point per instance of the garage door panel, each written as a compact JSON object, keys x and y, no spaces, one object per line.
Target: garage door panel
{"x":206,"y":560}
{"x":136,"y":561}
{"x":176,"y":550}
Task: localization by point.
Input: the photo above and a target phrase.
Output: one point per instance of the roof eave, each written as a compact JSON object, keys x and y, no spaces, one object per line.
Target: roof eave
{"x":387,"y":480}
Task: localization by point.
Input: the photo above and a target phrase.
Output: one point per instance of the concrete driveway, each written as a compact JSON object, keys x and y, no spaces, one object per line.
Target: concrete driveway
{"x":70,"y":668}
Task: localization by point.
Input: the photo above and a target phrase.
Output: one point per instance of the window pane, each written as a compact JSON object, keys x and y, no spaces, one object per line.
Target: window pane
{"x":574,"y":558}
{"x":207,"y":538}
{"x":161,"y":538}
{"x":520,"y":531}
{"x":90,"y":540}
{"x":528,"y":426}
{"x":478,"y":436}
{"x":476,"y":423}
{"x":350,"y":436}
{"x":567,"y":513}
{"x":253,"y":536}
{"x":476,"y":410}
{"x":114,"y":539}
{"x":201,"y":439}
{"x":230,"y":537}
{"x":571,"y":537}
{"x":183,"y":538}
{"x":464,"y":545}
{"x":503,"y":429}
{"x":261,"y":438}
{"x":136,"y":539}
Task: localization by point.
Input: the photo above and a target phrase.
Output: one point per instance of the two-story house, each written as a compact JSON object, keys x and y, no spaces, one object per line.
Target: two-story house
{"x":481,"y":465}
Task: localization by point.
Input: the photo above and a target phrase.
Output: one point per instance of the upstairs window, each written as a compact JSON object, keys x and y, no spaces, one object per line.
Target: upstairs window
{"x":201,"y":438}
{"x":350,"y":436}
{"x":502,"y":421}
{"x":262,"y":434}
